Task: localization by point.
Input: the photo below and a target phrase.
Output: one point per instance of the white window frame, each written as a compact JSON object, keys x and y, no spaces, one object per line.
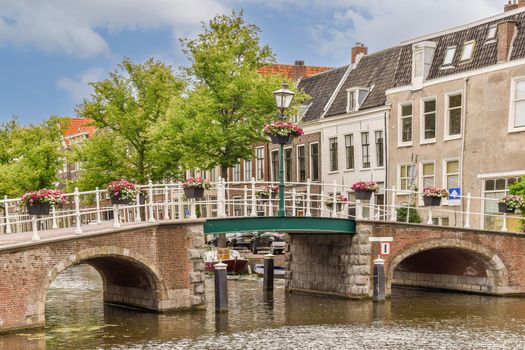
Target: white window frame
{"x":421,"y":176}
{"x":274,"y":177}
{"x":400,"y":142}
{"x":355,"y":90}
{"x":375,"y":149}
{"x":398,"y":180}
{"x":257,"y":164}
{"x":352,"y":138}
{"x":448,"y":137}
{"x":246,"y":167}
{"x":446,"y":65}
{"x":422,"y":139}
{"x":310,"y":168}
{"x":491,"y":39}
{"x":298,"y":174}
{"x":512,"y":108}
{"x":235,"y":167}
{"x":467,"y":43}
{"x":330,"y":170}
{"x":445,"y":201}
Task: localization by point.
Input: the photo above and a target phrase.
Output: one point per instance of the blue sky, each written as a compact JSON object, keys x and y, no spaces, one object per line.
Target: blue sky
{"x":50,"y":50}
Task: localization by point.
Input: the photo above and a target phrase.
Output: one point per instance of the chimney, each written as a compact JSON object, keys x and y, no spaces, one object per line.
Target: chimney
{"x":359,"y":49}
{"x":298,"y":70}
{"x":506,"y":31}
{"x":513,"y":4}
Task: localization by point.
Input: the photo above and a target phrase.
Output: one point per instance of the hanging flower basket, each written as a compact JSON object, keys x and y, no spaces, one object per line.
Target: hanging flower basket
{"x":194,"y":187}
{"x":123,"y":192}
{"x":432,"y":196}
{"x":40,"y":202}
{"x":282,"y":132}
{"x":339,"y":201}
{"x":363,"y":190}
{"x":510,"y":203}
{"x":266,"y":192}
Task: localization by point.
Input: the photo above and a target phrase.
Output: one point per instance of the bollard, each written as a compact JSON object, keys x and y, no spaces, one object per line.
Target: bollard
{"x":379,"y":280}
{"x":268,"y":272}
{"x":221,"y":288}
{"x":34,"y":223}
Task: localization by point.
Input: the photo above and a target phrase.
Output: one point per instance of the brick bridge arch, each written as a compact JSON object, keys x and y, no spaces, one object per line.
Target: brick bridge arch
{"x":495,"y":280}
{"x":117,"y":265}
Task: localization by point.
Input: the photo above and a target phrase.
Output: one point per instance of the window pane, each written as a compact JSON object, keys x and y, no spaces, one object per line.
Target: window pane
{"x":500,"y":184}
{"x":520,"y":89}
{"x":453,"y":167}
{"x":492,"y":32}
{"x":519,"y":114}
{"x":418,"y":64}
{"x":407,"y":129}
{"x":454,"y":101}
{"x":467,"y":51}
{"x":449,"y":55}
{"x":404,"y":171}
{"x":428,"y":169}
{"x":454,"y":127}
{"x":430,"y":126}
{"x":490,"y":185}
{"x":430,"y":106}
{"x":428,"y":181}
{"x":452,"y":181}
{"x":406,"y":110}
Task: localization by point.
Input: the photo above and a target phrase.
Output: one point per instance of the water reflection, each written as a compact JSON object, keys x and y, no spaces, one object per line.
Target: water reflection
{"x":77,"y":319}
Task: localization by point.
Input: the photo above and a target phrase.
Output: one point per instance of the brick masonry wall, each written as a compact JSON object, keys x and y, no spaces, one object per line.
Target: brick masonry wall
{"x":501,"y":253}
{"x":158,"y":267}
{"x":329,"y":264}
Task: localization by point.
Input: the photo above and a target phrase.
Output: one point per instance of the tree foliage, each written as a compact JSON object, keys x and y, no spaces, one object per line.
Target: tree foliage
{"x":30,"y":156}
{"x":219,"y":120}
{"x":126,"y":106}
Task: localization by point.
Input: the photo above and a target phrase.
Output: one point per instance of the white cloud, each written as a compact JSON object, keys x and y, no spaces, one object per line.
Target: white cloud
{"x":71,"y":26}
{"x":78,"y":87}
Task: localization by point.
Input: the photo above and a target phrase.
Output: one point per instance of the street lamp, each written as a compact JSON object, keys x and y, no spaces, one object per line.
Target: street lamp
{"x":283,"y":98}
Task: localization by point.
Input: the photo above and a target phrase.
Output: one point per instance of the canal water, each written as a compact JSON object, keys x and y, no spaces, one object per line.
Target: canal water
{"x":77,"y":319}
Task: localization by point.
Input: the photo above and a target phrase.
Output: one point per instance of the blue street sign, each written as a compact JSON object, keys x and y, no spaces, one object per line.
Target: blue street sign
{"x":187,"y":213}
{"x":454,"y":193}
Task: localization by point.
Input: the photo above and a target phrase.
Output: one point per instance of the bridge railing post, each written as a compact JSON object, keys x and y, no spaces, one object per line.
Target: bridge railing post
{"x":359,"y":209}
{"x":393,"y":214}
{"x":150,"y":206}
{"x":116,"y":216}
{"x":78,"y":229}
{"x":34,"y":224}
{"x":254,"y":199}
{"x":429,"y":221}
{"x":97,"y":203}
{"x":180,"y":201}
{"x":54,"y":225}
{"x":467,"y":214}
{"x":334,"y":199}
{"x":245,"y":206}
{"x":504,"y":226}
{"x":166,"y":203}
{"x":308,"y":198}
{"x":137,"y":209}
{"x":222,"y":200}
{"x":294,"y":209}
{"x":6,"y":213}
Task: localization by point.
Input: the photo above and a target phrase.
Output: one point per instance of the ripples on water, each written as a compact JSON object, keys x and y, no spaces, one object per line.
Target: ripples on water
{"x":77,"y":319}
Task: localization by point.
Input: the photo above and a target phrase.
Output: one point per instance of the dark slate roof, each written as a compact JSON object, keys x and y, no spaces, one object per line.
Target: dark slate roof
{"x":320,"y":87}
{"x":484,"y":55}
{"x":376,"y":70}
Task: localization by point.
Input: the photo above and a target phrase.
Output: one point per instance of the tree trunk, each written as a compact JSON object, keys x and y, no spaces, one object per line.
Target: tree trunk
{"x":224,"y":172}
{"x":221,"y":241}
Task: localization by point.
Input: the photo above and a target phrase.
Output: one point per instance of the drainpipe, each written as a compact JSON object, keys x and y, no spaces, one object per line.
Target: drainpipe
{"x":463,"y":140}
{"x":385,"y":118}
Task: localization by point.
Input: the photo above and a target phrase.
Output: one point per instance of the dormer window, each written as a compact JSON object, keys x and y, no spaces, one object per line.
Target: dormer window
{"x":493,"y":30}
{"x":468,"y":49}
{"x":449,"y":56}
{"x":422,"y":56}
{"x":355,"y":98}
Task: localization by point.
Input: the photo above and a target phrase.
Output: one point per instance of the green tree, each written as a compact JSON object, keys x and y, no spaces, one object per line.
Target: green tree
{"x":519,"y":189}
{"x":127,"y":105}
{"x":219,"y":120}
{"x":29,"y":156}
{"x":413,"y":216}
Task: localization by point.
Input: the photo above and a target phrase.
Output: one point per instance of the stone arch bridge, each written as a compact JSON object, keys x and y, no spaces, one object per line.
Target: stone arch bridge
{"x":159,"y":266}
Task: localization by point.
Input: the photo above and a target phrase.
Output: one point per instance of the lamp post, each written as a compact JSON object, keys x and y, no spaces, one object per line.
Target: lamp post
{"x":283,"y":98}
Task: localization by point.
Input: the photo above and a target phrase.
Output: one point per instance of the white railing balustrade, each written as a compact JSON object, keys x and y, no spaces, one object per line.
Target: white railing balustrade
{"x":166,"y":201}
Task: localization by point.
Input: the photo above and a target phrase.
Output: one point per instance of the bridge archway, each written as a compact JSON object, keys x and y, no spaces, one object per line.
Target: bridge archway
{"x":128,"y":279}
{"x":449,"y":264}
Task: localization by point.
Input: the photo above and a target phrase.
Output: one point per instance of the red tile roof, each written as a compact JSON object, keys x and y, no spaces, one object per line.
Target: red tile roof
{"x":79,"y":126}
{"x":293,"y":71}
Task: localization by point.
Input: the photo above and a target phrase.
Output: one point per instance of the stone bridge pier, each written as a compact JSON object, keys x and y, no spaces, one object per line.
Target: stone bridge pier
{"x":157,"y":267}
{"x":430,"y":257}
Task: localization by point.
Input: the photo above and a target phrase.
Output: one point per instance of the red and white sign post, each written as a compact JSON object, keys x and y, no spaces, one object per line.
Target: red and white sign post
{"x":379,"y":266}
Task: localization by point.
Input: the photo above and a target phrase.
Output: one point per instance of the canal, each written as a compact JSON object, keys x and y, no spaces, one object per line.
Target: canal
{"x":77,"y":319}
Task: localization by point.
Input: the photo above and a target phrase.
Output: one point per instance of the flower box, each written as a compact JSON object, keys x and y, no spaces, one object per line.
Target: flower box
{"x":115,"y":200}
{"x":267,"y":192}
{"x":123,"y":192}
{"x":363,"y":195}
{"x":432,"y":201}
{"x":339,"y":201}
{"x":363,"y":190}
{"x":504,"y":208}
{"x":194,"y":192}
{"x":281,"y":139}
{"x":39,"y":209}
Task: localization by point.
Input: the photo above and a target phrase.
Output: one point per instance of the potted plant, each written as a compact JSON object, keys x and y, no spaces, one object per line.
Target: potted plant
{"x":510,"y":203}
{"x":40,"y":202}
{"x":266,"y":192}
{"x":194,"y":187}
{"x":282,"y":132}
{"x":123,"y":192}
{"x":363,"y":190}
{"x":339,"y":201}
{"x":432,"y":196}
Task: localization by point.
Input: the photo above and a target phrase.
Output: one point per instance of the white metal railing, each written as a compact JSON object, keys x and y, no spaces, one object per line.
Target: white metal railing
{"x":237,"y":199}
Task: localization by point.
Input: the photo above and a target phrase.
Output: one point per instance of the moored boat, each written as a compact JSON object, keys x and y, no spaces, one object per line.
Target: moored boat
{"x":235,"y":263}
{"x":278,"y":271}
